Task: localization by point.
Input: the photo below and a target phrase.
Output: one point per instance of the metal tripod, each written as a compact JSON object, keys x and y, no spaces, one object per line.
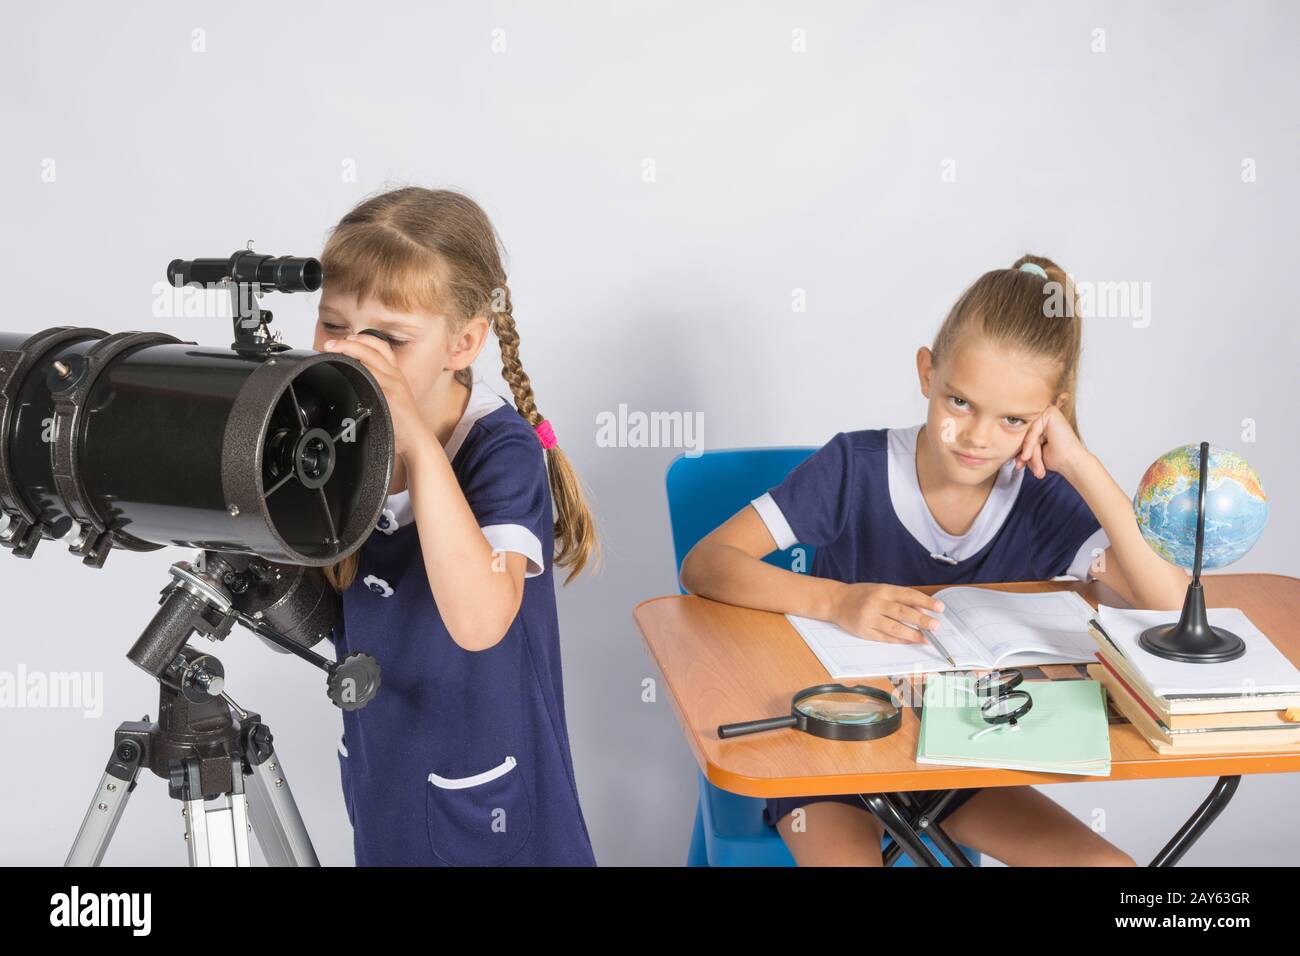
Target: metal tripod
{"x":205,"y":745}
{"x":205,"y":754}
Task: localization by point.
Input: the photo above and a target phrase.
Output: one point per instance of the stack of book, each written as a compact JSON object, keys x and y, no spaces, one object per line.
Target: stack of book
{"x":1248,"y":705}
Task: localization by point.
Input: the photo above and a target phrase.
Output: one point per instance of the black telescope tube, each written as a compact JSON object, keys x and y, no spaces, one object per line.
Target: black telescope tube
{"x":140,"y":441}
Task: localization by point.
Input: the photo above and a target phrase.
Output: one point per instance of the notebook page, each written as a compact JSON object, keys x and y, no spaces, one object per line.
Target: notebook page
{"x":1050,"y":625}
{"x":846,"y":655}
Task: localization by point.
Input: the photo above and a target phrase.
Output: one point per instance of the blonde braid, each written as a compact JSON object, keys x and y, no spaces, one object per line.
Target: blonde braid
{"x":575,"y":530}
{"x":512,"y":370}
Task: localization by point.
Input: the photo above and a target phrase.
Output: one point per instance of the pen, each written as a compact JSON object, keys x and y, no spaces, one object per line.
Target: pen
{"x":942,"y":650}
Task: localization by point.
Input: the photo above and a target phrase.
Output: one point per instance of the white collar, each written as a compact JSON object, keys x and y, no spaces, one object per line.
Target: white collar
{"x":909,"y":504}
{"x":482,"y":401}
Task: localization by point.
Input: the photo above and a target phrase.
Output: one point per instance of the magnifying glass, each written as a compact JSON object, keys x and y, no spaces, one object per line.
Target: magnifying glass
{"x":832,"y":711}
{"x":1001,"y":704}
{"x":998,"y":683}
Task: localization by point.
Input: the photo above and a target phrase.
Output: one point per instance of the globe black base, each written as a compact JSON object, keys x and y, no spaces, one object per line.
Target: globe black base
{"x":1193,"y":639}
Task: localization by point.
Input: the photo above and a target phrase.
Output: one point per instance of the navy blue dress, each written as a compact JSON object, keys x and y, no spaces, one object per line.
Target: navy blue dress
{"x":463,"y":757}
{"x":856,"y":500}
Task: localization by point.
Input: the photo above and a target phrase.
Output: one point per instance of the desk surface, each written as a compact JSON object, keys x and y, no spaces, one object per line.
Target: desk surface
{"x":725,"y":664}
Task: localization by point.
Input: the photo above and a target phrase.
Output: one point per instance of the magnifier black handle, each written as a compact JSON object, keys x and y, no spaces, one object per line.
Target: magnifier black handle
{"x":755,"y":726}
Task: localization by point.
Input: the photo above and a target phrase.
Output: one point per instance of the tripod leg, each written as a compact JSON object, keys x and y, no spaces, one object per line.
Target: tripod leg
{"x":106,"y":808}
{"x":276,"y":821}
{"x":239,"y":824}
{"x":217,"y":836}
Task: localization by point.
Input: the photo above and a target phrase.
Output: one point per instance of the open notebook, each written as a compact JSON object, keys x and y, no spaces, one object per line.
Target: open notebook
{"x":981,"y":628}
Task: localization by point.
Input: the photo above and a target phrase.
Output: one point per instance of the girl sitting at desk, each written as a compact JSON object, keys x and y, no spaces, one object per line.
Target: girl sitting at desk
{"x":943,"y":503}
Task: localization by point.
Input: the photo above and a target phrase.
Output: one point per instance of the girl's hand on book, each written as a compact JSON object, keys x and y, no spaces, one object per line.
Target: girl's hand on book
{"x":1050,"y":445}
{"x":882,"y":612}
{"x":409,"y":430}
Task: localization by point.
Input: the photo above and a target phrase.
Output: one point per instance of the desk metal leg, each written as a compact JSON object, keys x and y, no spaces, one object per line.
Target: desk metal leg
{"x":927,"y":824}
{"x":910,"y":806}
{"x":1198,"y":822}
{"x":905,"y":817}
{"x":904,"y":827}
{"x":921,"y":811}
{"x":896,"y":825}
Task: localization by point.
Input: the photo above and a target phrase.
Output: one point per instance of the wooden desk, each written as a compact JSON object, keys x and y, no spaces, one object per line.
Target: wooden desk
{"x":723,"y":664}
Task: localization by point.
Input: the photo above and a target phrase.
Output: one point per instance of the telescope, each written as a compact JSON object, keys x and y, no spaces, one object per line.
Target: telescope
{"x":138,"y":440}
{"x":272,"y":462}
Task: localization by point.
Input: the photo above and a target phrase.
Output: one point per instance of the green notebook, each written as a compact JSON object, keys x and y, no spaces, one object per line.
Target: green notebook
{"x":1065,"y":731}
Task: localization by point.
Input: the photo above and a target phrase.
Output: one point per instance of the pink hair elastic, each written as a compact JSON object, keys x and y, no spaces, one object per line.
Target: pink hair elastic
{"x":546,"y":434}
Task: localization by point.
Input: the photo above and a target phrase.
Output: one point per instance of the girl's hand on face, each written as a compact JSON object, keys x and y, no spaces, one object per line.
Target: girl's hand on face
{"x":882,"y":612}
{"x":1050,"y":445}
{"x":409,"y":430}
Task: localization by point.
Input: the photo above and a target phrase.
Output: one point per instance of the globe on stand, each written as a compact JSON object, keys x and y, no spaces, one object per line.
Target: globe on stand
{"x":1199,"y":507}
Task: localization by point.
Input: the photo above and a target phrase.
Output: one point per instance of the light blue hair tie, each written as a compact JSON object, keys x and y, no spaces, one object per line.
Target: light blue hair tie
{"x":1033,"y":267}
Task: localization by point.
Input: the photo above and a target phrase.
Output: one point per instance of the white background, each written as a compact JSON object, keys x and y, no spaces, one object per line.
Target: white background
{"x":775,"y":170}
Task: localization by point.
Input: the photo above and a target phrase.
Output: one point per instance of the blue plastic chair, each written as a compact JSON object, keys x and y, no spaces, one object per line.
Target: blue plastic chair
{"x":703,"y":492}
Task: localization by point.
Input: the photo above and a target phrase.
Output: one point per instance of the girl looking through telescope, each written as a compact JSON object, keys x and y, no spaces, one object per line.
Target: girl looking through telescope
{"x":463,"y":758}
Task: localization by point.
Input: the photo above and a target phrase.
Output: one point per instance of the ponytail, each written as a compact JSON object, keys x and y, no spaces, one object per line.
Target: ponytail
{"x":1067,"y":348}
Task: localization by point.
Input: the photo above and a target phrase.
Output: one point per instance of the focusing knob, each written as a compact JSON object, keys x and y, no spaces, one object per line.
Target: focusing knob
{"x":354,"y":681}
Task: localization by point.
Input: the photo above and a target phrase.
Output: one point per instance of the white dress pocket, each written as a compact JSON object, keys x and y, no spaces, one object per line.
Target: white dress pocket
{"x":479,"y":820}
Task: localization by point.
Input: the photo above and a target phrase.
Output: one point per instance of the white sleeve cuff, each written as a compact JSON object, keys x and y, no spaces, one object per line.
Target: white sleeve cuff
{"x":517,"y":538}
{"x":1080,"y":567}
{"x":777,"y":526}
